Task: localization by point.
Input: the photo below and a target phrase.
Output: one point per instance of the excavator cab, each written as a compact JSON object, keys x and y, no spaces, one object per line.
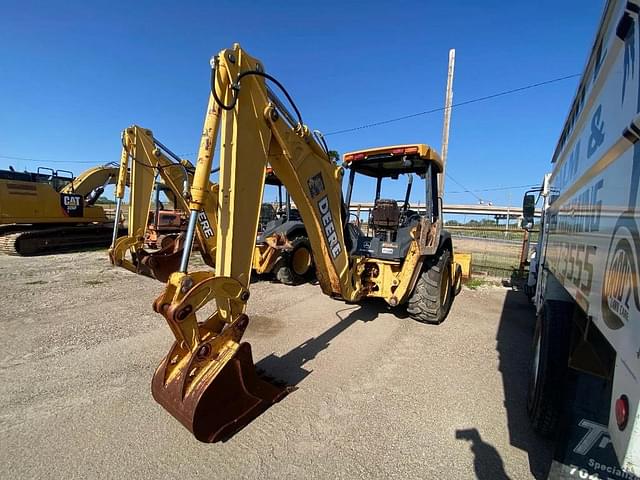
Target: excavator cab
{"x":284,"y":212}
{"x":58,"y":179}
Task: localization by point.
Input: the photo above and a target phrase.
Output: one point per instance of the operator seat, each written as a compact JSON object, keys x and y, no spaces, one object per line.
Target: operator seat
{"x":294,"y":215}
{"x":385,"y":217}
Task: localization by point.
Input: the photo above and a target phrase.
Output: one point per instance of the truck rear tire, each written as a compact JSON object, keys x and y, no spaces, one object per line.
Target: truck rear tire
{"x":431,"y":298}
{"x":295,"y":266}
{"x":549,"y":364}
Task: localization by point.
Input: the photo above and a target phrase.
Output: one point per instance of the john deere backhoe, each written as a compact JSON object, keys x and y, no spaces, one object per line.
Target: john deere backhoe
{"x":208,"y":380}
{"x":143,"y":159}
{"x":281,"y":247}
{"x":51,"y":211}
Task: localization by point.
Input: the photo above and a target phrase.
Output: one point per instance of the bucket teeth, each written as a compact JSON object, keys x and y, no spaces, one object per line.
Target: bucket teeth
{"x":217,"y":405}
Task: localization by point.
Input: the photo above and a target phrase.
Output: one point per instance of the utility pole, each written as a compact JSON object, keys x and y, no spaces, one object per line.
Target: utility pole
{"x":447,"y":118}
{"x":508,"y":212}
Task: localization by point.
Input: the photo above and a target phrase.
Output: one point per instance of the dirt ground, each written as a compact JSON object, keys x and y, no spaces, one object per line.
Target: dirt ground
{"x":379,"y":395}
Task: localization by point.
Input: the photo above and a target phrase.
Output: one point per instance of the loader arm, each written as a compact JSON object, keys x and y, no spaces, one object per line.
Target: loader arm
{"x":143,"y":159}
{"x":207,"y":379}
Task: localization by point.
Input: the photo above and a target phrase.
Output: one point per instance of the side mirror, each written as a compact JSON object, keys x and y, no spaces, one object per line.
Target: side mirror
{"x":528,"y":208}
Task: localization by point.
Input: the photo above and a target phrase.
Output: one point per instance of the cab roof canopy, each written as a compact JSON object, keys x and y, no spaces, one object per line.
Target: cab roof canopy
{"x":393,"y":160}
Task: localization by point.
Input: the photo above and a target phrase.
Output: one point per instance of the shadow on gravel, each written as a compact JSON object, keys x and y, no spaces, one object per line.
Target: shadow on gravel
{"x":286,"y":371}
{"x":513,"y":343}
{"x":289,"y":368}
{"x":487,"y":462}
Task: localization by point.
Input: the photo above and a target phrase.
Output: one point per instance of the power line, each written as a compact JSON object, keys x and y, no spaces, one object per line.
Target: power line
{"x":353,"y":129}
{"x":25,"y":159}
{"x":440,"y":109}
{"x":462,"y":186}
{"x":87,"y":162}
{"x":473,"y":192}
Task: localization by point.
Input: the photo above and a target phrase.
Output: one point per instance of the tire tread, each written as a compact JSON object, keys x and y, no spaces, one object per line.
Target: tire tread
{"x":423,"y":304}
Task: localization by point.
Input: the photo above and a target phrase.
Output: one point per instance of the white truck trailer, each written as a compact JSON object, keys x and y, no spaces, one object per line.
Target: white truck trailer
{"x":587,"y":292}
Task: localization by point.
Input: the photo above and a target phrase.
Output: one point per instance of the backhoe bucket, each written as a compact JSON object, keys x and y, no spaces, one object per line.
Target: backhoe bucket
{"x":218,"y":405}
{"x":161,"y":264}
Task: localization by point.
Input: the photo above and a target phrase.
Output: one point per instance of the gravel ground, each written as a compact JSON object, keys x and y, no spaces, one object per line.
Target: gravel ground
{"x":380,"y":396}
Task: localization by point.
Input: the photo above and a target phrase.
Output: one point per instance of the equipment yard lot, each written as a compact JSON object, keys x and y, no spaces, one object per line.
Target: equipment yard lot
{"x":379,"y":396}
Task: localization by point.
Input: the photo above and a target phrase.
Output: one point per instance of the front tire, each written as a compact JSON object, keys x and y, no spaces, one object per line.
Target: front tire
{"x":432,"y":296}
{"x":549,"y":364}
{"x":296,"y":265}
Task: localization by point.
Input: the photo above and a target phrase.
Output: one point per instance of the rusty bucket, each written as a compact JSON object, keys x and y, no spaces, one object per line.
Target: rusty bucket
{"x":162,"y":263}
{"x":220,"y":404}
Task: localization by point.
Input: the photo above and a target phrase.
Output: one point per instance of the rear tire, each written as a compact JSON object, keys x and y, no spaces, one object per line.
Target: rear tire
{"x":296,"y":265}
{"x":549,"y":364}
{"x":283,"y":272}
{"x":432,"y":296}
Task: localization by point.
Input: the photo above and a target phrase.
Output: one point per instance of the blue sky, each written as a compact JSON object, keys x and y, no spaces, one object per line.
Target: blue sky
{"x":74,"y":74}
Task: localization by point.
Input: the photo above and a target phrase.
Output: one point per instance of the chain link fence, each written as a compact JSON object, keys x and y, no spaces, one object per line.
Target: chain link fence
{"x":495,"y":251}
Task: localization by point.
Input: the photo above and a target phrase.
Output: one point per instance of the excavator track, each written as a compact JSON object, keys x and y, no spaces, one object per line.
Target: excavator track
{"x":43,"y":241}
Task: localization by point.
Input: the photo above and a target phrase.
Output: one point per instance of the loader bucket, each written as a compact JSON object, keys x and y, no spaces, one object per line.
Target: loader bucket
{"x":218,"y":406}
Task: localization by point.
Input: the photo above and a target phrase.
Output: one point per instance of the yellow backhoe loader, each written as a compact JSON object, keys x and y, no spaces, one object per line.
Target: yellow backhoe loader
{"x":281,"y":247}
{"x":142,"y":161}
{"x":208,"y":380}
{"x":51,"y":211}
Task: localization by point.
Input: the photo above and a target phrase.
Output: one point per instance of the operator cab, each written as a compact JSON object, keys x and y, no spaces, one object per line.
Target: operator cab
{"x":276,"y":218}
{"x":166,"y":213}
{"x":390,"y":221}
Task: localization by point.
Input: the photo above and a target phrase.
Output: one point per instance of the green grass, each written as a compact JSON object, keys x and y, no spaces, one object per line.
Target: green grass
{"x":474,"y":283}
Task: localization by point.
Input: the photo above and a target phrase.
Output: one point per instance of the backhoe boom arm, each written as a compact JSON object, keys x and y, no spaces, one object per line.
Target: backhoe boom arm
{"x":255,"y":134}
{"x":144,"y":159}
